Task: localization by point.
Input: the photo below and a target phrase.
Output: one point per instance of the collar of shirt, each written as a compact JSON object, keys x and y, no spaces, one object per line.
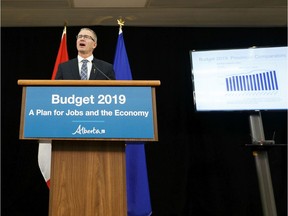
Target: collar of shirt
{"x":89,"y":64}
{"x":90,"y":58}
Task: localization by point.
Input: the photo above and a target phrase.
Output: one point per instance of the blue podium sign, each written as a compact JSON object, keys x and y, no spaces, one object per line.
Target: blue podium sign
{"x":88,"y":112}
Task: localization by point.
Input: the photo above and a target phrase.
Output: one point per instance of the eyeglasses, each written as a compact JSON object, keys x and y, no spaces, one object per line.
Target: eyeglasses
{"x":85,"y":37}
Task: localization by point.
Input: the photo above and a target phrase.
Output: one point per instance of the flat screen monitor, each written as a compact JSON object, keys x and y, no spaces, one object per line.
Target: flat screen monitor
{"x":240,"y":79}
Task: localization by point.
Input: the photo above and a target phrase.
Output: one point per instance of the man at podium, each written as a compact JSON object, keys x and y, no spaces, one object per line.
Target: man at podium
{"x":85,"y":66}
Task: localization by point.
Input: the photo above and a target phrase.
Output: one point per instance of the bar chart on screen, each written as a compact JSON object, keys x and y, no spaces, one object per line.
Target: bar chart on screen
{"x":240,"y":79}
{"x":259,"y":81}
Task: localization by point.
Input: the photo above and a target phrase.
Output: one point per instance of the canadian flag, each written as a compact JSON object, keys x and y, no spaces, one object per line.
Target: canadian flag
{"x":44,"y":151}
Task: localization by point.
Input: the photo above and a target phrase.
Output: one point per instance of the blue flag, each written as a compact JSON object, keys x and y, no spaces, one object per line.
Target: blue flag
{"x":138,"y":195}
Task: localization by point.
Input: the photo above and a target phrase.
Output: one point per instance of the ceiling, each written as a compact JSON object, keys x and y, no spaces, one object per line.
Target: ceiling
{"x":166,"y":13}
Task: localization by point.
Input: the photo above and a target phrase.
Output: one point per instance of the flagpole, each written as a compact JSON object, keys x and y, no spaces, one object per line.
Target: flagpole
{"x":120,"y":22}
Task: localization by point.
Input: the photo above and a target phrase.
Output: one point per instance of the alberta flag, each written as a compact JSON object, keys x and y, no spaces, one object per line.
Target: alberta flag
{"x":138,"y":195}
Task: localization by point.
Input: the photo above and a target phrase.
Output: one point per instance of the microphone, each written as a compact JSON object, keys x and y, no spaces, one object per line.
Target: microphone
{"x":94,"y":66}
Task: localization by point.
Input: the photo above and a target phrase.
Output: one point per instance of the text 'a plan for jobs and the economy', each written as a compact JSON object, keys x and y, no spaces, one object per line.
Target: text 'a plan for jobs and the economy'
{"x":79,"y":101}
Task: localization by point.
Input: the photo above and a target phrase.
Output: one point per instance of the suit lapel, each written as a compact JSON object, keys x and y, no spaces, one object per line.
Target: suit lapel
{"x":75,"y":69}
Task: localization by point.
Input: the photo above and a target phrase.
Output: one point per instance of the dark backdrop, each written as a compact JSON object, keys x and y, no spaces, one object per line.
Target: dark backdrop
{"x":199,"y":166}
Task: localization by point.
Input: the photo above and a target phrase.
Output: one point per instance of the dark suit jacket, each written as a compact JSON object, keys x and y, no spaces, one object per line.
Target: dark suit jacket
{"x":101,"y":70}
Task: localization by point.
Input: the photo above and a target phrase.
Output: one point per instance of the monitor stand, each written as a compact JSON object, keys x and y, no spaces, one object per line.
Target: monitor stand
{"x":262,"y":164}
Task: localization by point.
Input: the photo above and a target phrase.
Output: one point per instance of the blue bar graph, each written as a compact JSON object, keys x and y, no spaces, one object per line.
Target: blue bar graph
{"x":275,"y":79}
{"x":263,"y":81}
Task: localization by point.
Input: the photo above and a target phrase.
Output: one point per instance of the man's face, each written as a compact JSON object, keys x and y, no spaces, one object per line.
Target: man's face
{"x":85,"y":42}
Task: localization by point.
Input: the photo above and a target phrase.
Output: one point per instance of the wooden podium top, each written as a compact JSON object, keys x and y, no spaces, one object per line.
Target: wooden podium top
{"x":89,"y":82}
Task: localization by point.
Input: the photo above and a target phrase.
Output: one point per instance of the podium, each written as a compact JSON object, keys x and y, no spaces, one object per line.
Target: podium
{"x":88,"y":123}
